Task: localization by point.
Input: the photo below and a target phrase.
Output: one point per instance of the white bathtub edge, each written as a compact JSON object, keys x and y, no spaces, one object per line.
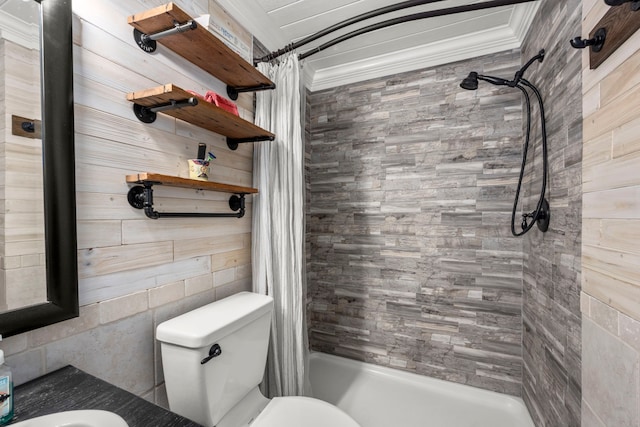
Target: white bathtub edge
{"x":512,"y":404}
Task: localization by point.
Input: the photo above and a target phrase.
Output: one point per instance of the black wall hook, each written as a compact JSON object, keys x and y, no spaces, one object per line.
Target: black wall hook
{"x":635,"y":4}
{"x":28,"y":127}
{"x":596,"y":43}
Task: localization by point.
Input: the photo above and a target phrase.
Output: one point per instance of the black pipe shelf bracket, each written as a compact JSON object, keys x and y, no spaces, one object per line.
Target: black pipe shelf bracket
{"x":233,"y":92}
{"x":148,"y":114}
{"x":147,"y":42}
{"x":141,"y":197}
{"x":233,"y":143}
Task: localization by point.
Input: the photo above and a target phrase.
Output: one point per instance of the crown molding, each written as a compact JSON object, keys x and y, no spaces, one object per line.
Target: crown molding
{"x":498,"y":39}
{"x":307,"y":75}
{"x":442,"y":52}
{"x":19,"y":31}
{"x":522,"y":17}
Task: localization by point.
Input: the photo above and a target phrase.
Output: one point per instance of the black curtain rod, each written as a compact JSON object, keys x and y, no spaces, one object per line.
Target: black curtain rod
{"x":384,"y":24}
{"x":413,"y":17}
{"x":342,"y":24}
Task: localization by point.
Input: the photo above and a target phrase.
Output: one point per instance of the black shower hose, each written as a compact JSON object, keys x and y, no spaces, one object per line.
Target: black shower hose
{"x":538,"y":213}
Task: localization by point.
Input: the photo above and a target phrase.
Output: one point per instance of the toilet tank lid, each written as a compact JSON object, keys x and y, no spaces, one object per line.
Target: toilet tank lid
{"x":207,"y":324}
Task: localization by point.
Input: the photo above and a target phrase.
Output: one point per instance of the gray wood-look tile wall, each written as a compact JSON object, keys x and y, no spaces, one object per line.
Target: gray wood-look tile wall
{"x":411,"y":263}
{"x":552,"y":264}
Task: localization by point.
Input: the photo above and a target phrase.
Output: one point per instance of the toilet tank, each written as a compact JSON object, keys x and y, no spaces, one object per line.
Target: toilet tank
{"x":240,"y":325}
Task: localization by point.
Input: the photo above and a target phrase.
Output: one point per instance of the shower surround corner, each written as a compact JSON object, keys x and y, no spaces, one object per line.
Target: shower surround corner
{"x":552,"y":342}
{"x":411,"y":263}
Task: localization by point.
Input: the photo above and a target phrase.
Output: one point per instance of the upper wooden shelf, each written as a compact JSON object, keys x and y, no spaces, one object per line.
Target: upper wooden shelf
{"x":175,"y":181}
{"x":205,"y":114}
{"x":200,"y":47}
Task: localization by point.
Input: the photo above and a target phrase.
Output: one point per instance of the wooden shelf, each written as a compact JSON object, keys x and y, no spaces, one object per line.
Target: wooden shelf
{"x":205,"y":114}
{"x":176,"y":30}
{"x":175,"y":181}
{"x":200,"y":47}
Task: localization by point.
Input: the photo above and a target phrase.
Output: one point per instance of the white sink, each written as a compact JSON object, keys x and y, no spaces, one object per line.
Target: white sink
{"x":84,"y":418}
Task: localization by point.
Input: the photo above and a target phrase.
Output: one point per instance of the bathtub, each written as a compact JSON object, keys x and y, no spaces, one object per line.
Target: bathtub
{"x":383,"y":397}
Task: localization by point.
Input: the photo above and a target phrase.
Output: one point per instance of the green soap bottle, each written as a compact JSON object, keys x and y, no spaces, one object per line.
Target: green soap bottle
{"x":6,"y":392}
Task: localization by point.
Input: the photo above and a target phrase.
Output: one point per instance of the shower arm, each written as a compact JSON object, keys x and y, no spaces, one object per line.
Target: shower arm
{"x":518,"y":76}
{"x":497,"y":81}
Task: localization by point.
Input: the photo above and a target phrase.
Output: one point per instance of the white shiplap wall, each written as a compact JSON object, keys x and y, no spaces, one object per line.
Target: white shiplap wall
{"x":138,"y":253}
{"x":610,"y":299}
{"x":136,"y":272}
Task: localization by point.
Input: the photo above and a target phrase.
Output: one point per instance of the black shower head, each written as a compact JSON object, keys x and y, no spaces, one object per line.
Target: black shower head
{"x":471,"y":82}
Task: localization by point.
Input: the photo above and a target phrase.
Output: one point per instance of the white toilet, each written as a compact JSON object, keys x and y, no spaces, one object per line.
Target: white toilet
{"x":213,"y":360}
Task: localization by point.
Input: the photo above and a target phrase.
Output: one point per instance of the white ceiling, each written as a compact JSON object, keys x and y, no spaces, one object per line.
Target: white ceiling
{"x":404,"y":47}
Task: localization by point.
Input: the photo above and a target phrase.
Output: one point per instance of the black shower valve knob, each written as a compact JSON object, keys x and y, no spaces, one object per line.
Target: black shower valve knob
{"x":525,"y":217}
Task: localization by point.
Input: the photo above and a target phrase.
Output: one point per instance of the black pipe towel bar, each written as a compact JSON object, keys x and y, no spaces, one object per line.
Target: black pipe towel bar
{"x":141,"y":197}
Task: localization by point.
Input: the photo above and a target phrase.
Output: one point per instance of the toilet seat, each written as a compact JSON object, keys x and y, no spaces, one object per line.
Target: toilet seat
{"x":296,"y":411}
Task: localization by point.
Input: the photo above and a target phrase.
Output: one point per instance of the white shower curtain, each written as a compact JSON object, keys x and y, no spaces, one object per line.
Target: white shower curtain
{"x":278,"y":226}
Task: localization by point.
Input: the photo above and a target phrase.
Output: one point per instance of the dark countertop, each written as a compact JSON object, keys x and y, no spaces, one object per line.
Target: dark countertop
{"x":70,"y":388}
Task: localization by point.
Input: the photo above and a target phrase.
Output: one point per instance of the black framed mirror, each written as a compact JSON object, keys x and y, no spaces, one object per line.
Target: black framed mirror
{"x":56,"y":59}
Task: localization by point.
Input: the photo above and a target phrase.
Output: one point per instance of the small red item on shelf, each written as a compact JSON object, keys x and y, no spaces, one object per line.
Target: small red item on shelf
{"x":218,"y":101}
{"x":221,"y":102}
